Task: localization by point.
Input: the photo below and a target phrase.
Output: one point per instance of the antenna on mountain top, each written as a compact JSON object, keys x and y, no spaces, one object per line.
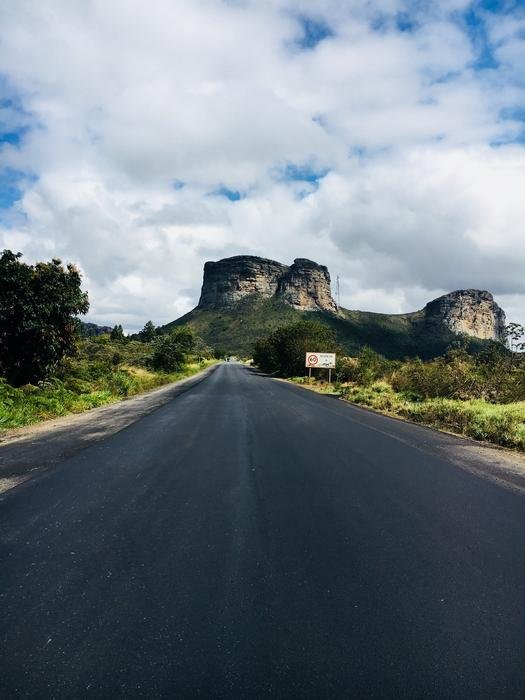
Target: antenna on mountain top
{"x":337,"y":292}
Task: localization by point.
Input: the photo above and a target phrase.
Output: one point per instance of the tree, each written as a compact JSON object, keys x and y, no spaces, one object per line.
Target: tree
{"x":201,"y":349}
{"x":117,"y":334}
{"x":184,"y":336}
{"x":148,"y":333}
{"x":514,"y":333}
{"x":38,"y":305}
{"x":284,"y":350}
{"x":168,"y":353}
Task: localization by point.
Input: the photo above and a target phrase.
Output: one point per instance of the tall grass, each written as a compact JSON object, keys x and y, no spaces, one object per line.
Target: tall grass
{"x":501,"y":424}
{"x":83,"y":384}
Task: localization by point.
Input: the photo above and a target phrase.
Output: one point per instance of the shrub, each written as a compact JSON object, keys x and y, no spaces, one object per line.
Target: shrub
{"x":169,"y":354}
{"x":284,"y":350}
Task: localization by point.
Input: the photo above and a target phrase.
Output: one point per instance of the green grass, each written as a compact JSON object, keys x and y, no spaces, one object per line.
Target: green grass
{"x":501,"y":424}
{"x":84,"y":383}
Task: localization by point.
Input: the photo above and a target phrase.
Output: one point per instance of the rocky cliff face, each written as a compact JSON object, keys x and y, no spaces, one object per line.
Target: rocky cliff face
{"x":229,"y":280}
{"x":470,"y":311}
{"x":305,"y":285}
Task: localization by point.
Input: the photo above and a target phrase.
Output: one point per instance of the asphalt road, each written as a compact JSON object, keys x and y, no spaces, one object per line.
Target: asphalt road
{"x":252,"y":539}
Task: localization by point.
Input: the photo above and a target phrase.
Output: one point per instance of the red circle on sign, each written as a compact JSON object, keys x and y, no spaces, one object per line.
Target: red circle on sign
{"x":313,"y":360}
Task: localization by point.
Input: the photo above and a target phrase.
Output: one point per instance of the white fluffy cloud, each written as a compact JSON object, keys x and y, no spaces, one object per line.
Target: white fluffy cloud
{"x":133,"y":119}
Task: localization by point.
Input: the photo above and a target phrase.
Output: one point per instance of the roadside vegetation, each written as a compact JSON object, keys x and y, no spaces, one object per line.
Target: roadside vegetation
{"x":47,"y":369}
{"x":480,"y":395}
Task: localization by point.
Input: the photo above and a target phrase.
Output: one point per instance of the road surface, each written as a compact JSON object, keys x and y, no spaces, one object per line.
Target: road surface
{"x":252,"y":539}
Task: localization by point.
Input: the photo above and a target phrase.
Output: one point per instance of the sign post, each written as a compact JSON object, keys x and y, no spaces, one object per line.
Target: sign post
{"x":325,"y":360}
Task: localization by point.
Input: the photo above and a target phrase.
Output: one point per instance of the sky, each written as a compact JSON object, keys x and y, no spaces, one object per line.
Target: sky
{"x":382,"y":138}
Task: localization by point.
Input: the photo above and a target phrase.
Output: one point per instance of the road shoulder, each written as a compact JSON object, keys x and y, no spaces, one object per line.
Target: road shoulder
{"x":28,"y":451}
{"x":500,"y":465}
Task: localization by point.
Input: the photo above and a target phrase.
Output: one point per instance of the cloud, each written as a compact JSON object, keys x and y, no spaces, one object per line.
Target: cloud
{"x":369,"y":136}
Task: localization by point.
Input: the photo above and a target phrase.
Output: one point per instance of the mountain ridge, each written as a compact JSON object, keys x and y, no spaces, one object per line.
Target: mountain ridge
{"x":245,"y":297}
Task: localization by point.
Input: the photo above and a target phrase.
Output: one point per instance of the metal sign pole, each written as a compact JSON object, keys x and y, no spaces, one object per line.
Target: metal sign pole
{"x":329,"y":375}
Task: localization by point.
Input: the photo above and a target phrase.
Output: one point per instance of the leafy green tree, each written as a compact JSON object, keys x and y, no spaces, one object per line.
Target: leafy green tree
{"x":148,"y":333}
{"x":117,"y":334}
{"x":284,"y":350}
{"x":184,"y":336}
{"x":38,"y":305}
{"x":169,"y":355}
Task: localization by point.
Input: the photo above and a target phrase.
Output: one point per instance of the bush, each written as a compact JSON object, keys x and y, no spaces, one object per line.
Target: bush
{"x":371,"y":367}
{"x":501,"y":424}
{"x":457,"y":375}
{"x":170,"y":351}
{"x":101,"y":371}
{"x":284,"y":350}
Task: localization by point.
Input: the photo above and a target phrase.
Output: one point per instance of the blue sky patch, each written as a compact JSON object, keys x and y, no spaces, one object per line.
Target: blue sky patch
{"x":499,"y":6}
{"x":10,"y":187}
{"x":474,"y":24}
{"x":514,"y":114}
{"x":13,"y":137}
{"x":301,"y":173}
{"x":313,"y":32}
{"x":405,"y":23}
{"x":232,"y":195}
{"x":401,"y":21}
{"x":14,"y":120}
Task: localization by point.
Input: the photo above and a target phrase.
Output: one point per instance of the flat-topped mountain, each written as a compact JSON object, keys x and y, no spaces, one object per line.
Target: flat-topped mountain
{"x":305,"y":285}
{"x":245,"y":297}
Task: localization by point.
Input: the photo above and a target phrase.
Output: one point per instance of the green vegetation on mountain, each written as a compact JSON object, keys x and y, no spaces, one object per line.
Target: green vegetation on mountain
{"x":235,"y":330}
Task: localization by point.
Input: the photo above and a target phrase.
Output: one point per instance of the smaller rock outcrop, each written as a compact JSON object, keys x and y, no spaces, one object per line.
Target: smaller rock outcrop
{"x":470,"y":311}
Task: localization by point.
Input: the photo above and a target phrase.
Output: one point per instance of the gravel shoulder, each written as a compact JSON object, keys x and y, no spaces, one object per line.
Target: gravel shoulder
{"x":26,"y":452}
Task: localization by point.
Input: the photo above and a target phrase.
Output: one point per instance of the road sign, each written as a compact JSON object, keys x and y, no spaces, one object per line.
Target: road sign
{"x":326,"y":360}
